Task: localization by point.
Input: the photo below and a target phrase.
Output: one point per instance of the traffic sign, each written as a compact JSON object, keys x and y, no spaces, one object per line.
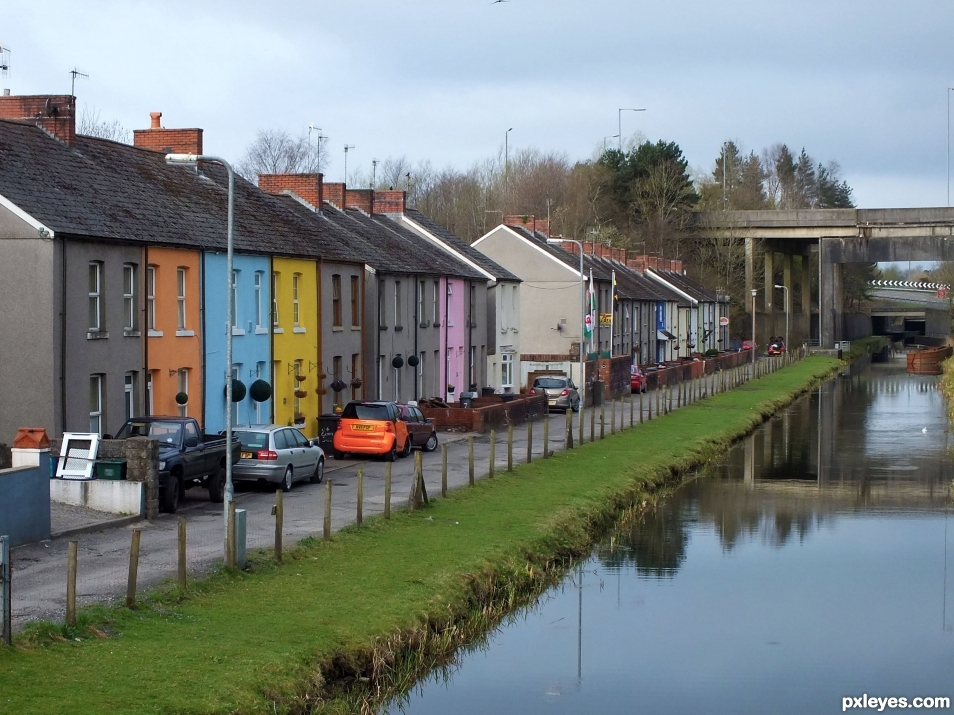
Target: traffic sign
{"x":724,"y":320}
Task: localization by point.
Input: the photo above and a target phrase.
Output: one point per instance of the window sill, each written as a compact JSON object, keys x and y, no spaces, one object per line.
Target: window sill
{"x":187,"y":333}
{"x":131,"y":334}
{"x":336,"y":328}
{"x":356,"y":327}
{"x":261,"y":331}
{"x":382,"y":327}
{"x":237,"y":331}
{"x":436,"y":324}
{"x":155,"y":333}
{"x":398,"y":328}
{"x":278,"y":331}
{"x":96,"y":335}
{"x":425,"y":324}
{"x":299,"y":331}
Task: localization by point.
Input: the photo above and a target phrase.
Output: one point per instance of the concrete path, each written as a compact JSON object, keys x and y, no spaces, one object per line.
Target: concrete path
{"x":39,"y":579}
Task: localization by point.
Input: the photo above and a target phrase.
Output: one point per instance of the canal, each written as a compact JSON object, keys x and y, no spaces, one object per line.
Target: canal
{"x":810,"y":564}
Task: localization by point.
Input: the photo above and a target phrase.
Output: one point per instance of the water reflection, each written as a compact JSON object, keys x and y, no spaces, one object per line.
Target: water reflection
{"x":808,"y":564}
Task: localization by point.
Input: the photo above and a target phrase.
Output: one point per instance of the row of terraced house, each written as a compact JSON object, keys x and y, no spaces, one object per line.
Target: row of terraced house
{"x":115,"y":289}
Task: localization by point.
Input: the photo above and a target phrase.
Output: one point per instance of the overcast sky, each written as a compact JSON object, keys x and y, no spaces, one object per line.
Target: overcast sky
{"x":861,"y":82}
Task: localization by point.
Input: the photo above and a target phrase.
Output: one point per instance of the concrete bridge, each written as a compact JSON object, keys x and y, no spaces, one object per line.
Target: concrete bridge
{"x":911,"y":312}
{"x":837,"y":236}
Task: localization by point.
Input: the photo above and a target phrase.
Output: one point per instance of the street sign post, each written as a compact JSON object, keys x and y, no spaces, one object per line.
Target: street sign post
{"x":724,"y":320}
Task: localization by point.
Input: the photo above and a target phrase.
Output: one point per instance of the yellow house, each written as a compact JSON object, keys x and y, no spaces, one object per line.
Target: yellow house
{"x":296,"y":342}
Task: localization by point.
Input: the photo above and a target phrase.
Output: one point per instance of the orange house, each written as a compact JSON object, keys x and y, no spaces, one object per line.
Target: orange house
{"x":172,"y":298}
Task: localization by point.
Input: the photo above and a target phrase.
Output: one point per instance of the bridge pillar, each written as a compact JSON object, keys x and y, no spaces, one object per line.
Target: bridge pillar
{"x":806,"y":286}
{"x":769,"y":280}
{"x":830,"y":322}
{"x":787,"y":261}
{"x":749,"y":271}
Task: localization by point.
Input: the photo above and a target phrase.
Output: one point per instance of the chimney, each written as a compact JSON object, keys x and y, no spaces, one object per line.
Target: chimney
{"x":637,"y":264}
{"x":389,"y":202}
{"x":528,"y":223}
{"x":570,"y":248}
{"x":677,"y":267}
{"x":543,"y":226}
{"x":359,"y":199}
{"x":54,"y":113}
{"x":167,"y":141}
{"x":587,"y":248}
{"x":334,"y":194}
{"x":306,"y":186}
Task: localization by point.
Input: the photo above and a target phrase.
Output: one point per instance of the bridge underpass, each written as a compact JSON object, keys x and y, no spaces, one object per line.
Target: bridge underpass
{"x":835,"y":237}
{"x":914,"y":314}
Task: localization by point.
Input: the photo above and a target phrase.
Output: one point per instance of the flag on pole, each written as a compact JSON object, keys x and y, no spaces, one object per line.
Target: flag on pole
{"x":589,"y":321}
{"x":613,"y":299}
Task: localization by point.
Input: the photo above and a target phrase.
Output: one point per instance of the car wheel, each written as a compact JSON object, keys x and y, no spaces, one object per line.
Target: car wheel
{"x":286,"y":484}
{"x":217,"y":486}
{"x":170,"y":497}
{"x":431,"y":444}
{"x":319,"y":472}
{"x":338,"y":454}
{"x":408,"y":443}
{"x":391,"y":454}
{"x":576,"y":407}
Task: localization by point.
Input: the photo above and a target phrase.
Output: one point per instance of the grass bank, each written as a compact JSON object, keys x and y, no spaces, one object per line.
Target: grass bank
{"x":867,"y":346}
{"x":368,"y":612}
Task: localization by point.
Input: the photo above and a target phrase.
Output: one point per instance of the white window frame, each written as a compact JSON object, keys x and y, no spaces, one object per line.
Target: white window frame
{"x":129,"y":296}
{"x":296,"y":305}
{"x":181,"y":297}
{"x":95,"y":296}
{"x":397,"y":304}
{"x":436,"y":308}
{"x":275,"y":279}
{"x":129,"y":394}
{"x":233,"y":296}
{"x":150,"y":404}
{"x":258,"y":300}
{"x":337,"y":317}
{"x":506,"y":370}
{"x":96,"y":398}
{"x":182,"y":376}
{"x":151,"y":298}
{"x":420,"y":301}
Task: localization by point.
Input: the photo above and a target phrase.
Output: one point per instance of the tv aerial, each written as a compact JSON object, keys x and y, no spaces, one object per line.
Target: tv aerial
{"x":75,"y":73}
{"x":4,"y":60}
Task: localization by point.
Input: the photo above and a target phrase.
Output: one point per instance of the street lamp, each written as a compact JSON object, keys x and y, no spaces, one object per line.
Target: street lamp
{"x":192,"y":160}
{"x":346,"y":149}
{"x":949,"y":90}
{"x":620,"y":123}
{"x":754,"y":292}
{"x":579,"y":246}
{"x":507,"y":150}
{"x":785,"y":288}
{"x":615,"y":136}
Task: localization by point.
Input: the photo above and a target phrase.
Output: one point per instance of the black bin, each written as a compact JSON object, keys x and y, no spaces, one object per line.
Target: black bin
{"x":486,"y":392}
{"x":327,"y":424}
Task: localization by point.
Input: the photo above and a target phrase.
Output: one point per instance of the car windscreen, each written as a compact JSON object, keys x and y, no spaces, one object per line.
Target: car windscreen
{"x":253,"y":440}
{"x":357,"y":411}
{"x":166,"y":432}
{"x":549,"y":383}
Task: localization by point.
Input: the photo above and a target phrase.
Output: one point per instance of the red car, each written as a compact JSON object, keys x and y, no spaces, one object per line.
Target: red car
{"x":637,"y":379}
{"x":748,"y":345}
{"x":776,"y":347}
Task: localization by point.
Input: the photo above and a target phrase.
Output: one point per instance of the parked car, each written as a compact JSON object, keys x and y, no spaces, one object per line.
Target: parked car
{"x":368,"y":427}
{"x":637,"y":379}
{"x":187,"y":457}
{"x":422,"y":431}
{"x":278,"y":455}
{"x":735,"y":346}
{"x":776,"y":346}
{"x":748,"y":345}
{"x":560,"y":391}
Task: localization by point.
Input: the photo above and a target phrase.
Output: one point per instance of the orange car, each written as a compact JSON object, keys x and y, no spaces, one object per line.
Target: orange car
{"x":371,"y":428}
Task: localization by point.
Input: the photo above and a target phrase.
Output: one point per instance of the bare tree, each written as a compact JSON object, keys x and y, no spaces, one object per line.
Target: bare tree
{"x":275,"y":151}
{"x":90,"y":125}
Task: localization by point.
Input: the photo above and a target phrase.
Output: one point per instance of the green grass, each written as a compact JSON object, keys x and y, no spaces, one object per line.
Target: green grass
{"x":866,"y":346}
{"x":262,"y":642}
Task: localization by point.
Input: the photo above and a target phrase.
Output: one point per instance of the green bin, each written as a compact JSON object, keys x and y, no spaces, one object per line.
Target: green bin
{"x":114,"y":469}
{"x":599,"y":388}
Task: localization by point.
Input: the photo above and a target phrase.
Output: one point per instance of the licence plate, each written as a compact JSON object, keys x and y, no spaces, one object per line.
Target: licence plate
{"x":247,"y":455}
{"x":552,"y":402}
{"x":362,"y":428}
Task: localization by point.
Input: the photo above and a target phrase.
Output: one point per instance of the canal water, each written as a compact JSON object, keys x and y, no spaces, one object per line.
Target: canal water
{"x":809,"y":565}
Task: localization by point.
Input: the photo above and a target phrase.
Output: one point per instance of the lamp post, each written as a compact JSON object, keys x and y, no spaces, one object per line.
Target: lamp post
{"x":615,"y":136}
{"x":785,"y":288}
{"x":192,"y":160}
{"x":619,"y":118}
{"x":579,"y":246}
{"x":347,"y":148}
{"x":754,"y":293}
{"x":507,"y":151}
{"x":949,"y":90}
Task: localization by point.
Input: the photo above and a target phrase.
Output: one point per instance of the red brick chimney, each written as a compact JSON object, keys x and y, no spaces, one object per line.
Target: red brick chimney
{"x":677,"y":267}
{"x":334,"y":193}
{"x":359,"y":199}
{"x":54,"y":113}
{"x":167,"y":141}
{"x":527,"y":223}
{"x":305,"y":186}
{"x":389,"y":202}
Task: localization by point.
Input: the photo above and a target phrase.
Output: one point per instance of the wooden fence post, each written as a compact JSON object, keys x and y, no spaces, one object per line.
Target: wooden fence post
{"x":640,"y":406}
{"x":568,"y":438}
{"x":603,"y":418}
{"x":133,"y":569}
{"x":470,"y":461}
{"x":546,"y":436}
{"x":71,"y":583}
{"x":182,"y":553}
{"x":510,"y":447}
{"x":6,"y":592}
{"x":280,"y":522}
{"x":493,"y":453}
{"x":360,"y":515}
{"x":529,"y":440}
{"x":326,"y":527}
{"x":582,"y":418}
{"x":613,"y":417}
{"x":387,"y":484}
{"x":444,"y":470}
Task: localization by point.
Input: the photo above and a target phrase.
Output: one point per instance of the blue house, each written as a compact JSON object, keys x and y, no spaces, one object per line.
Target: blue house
{"x":251,"y":338}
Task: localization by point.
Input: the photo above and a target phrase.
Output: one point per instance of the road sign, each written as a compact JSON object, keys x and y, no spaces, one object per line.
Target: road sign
{"x":942,"y":292}
{"x":723,"y":321}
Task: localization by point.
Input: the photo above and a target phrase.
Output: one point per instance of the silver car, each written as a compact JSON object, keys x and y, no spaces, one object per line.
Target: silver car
{"x":279,"y":455}
{"x":560,"y":391}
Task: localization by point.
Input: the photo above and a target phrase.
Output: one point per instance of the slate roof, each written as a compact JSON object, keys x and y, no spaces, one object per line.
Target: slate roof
{"x":460,"y":245}
{"x":687,"y":285}
{"x":105,"y":190}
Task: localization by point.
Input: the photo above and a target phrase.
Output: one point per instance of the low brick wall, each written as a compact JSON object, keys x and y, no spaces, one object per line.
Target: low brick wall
{"x":686,"y":371}
{"x":488,"y":413}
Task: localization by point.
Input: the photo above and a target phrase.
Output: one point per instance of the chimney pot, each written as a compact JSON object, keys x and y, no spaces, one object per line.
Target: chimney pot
{"x":155,"y":117}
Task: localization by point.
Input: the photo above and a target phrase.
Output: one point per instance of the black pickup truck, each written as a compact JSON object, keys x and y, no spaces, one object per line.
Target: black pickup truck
{"x":187,"y":457}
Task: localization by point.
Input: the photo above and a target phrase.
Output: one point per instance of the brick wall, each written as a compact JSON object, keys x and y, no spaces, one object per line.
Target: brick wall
{"x":307,"y":186}
{"x":490,"y":416}
{"x":54,"y":113}
{"x":334,"y":193}
{"x":529,"y":222}
{"x":359,"y":199}
{"x":168,"y":141}
{"x":389,"y":202}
